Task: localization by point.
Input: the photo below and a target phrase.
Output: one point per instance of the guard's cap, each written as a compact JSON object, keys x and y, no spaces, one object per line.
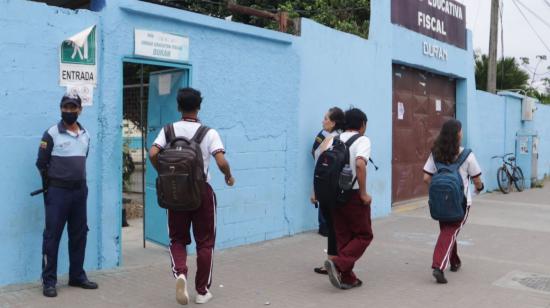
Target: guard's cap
{"x":71,"y":99}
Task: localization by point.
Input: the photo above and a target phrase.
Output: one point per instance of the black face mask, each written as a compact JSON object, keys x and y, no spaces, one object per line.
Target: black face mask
{"x":69,"y":117}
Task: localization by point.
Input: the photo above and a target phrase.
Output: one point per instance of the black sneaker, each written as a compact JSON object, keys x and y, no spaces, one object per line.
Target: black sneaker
{"x":356,"y":284}
{"x":320,"y":270}
{"x":439,"y":276}
{"x":456,"y":267}
{"x":333,"y":274}
{"x":49,"y":291}
{"x":86,"y":284}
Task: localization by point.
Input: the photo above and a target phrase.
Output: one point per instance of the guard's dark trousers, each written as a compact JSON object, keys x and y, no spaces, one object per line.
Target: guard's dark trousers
{"x":64,"y":206}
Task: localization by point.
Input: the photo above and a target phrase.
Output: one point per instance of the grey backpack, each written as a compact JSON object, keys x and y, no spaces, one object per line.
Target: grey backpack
{"x":181,"y":177}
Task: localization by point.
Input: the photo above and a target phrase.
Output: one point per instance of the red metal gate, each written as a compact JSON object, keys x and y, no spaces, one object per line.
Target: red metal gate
{"x":422,"y":102}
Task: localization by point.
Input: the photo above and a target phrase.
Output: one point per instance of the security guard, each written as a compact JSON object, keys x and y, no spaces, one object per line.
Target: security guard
{"x":62,"y":165}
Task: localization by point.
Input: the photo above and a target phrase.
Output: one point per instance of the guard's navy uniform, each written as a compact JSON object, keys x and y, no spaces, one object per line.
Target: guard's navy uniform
{"x":62,"y":163}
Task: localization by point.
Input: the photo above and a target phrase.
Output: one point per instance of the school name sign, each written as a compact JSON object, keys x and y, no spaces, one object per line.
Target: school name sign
{"x":161,"y":45}
{"x":443,"y":20}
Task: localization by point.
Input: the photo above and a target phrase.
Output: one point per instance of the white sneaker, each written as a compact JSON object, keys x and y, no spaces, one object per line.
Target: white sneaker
{"x":181,"y":290}
{"x":203,"y":299}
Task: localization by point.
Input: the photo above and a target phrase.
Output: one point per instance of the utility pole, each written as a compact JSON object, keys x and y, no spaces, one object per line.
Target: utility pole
{"x":493,"y":44}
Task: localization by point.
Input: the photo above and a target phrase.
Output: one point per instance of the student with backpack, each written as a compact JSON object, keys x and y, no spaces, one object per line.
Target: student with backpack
{"x":181,"y":155}
{"x":340,"y":180}
{"x":333,"y":124}
{"x":448,"y":172}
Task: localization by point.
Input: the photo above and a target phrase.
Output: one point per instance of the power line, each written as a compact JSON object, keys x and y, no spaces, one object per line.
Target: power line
{"x":530,"y":25}
{"x":532,"y":12}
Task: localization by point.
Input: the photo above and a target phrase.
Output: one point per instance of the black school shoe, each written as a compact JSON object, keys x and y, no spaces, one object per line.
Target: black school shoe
{"x":356,"y":284}
{"x":320,"y":270}
{"x":456,"y":267}
{"x":439,"y":276}
{"x":49,"y":291}
{"x":86,"y":284}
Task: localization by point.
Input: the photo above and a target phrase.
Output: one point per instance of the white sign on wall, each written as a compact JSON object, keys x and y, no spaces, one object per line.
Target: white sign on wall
{"x":161,"y":45}
{"x":85,"y":92}
{"x":523,"y":142}
{"x":400,"y":111}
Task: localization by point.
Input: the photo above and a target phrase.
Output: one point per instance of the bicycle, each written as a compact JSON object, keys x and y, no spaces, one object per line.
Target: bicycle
{"x":509,"y":172}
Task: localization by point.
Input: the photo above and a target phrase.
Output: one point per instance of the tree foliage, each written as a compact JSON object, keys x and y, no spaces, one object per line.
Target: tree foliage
{"x":510,"y":76}
{"x":352,"y":16}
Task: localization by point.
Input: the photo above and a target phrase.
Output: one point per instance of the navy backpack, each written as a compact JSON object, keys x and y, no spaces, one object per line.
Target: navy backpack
{"x":446,"y":193}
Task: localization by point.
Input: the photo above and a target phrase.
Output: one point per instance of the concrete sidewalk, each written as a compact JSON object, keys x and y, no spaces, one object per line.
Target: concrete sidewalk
{"x":505,"y":250}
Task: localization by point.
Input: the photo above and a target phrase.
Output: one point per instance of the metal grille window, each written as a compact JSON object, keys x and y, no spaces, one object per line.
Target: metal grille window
{"x":132,"y":106}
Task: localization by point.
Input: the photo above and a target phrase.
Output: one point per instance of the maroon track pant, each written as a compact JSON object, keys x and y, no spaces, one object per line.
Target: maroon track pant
{"x":352,"y":225}
{"x":445,"y":251}
{"x":203,"y":221}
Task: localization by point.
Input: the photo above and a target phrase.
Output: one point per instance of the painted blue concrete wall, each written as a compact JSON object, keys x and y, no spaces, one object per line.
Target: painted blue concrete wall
{"x":488,"y":135}
{"x":29,"y":96}
{"x":244,"y":73}
{"x":337,"y":70}
{"x":495,"y":123}
{"x":542,"y":128}
{"x":265,"y":92}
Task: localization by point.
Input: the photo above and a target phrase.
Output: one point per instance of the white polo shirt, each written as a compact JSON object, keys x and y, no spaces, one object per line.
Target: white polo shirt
{"x":469,"y":169}
{"x":210,"y":145}
{"x":360,"y":149}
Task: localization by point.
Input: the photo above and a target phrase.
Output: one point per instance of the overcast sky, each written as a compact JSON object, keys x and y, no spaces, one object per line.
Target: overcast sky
{"x":519,"y":38}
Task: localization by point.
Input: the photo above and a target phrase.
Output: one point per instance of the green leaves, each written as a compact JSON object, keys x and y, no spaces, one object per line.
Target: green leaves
{"x":352,"y":16}
{"x":510,"y":76}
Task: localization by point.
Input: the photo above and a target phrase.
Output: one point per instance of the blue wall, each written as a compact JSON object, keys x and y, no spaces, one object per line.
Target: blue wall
{"x":29,"y":96}
{"x":265,"y":92}
{"x":496,"y":123}
{"x":244,"y":73}
{"x":337,"y":70}
{"x":542,"y":128}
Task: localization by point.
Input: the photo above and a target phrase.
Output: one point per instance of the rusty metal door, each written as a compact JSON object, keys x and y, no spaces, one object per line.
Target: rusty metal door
{"x":422,"y":102}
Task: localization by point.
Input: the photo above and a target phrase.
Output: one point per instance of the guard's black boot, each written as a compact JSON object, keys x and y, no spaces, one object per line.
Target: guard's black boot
{"x":49,"y":291}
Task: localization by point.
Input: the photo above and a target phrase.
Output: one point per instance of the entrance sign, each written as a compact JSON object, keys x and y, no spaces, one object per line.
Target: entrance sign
{"x":444,"y":20}
{"x":161,"y":45}
{"x":77,"y":59}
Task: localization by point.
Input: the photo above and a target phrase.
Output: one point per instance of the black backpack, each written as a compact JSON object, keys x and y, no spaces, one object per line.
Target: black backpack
{"x":331,"y":183}
{"x":181,"y":177}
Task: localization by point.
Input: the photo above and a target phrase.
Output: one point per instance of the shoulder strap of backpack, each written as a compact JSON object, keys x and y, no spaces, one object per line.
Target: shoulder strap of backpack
{"x":463,"y":156}
{"x":169,"y":133}
{"x":200,"y":134}
{"x":318,"y":140}
{"x":352,"y":140}
{"x":461,"y":159}
{"x":348,"y":145}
